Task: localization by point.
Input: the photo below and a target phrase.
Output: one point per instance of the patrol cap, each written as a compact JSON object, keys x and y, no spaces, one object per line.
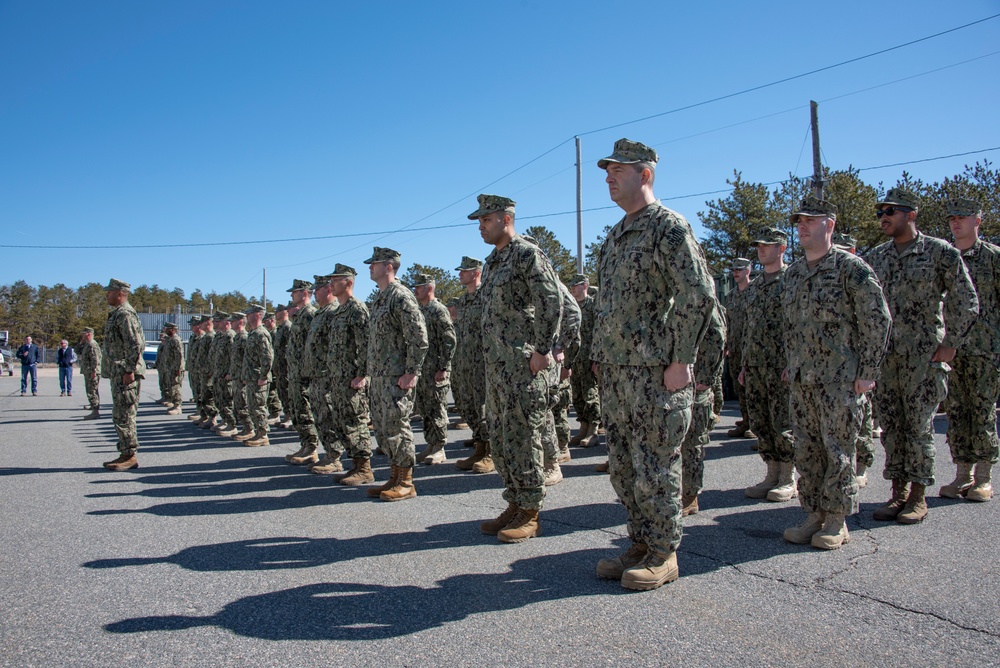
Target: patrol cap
{"x":88,"y":330}
{"x":469,"y":263}
{"x":115,"y":284}
{"x":739,"y":263}
{"x":900,"y":197}
{"x":220,"y":315}
{"x":343,"y":270}
{"x":170,"y":325}
{"x":814,"y":206}
{"x":628,"y":152}
{"x":268,"y":315}
{"x":300,"y":284}
{"x":423,"y":279}
{"x":204,"y":319}
{"x":771,"y":235}
{"x":963,"y":206}
{"x":279,"y":308}
{"x":237,"y":316}
{"x":578,"y":279}
{"x":380,"y":254}
{"x":195,"y":320}
{"x":321,"y":281}
{"x":491,"y":203}
{"x":844,"y":241}
{"x":255,"y":308}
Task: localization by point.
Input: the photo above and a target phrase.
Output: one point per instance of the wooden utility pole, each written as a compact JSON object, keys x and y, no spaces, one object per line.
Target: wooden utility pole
{"x":579,"y":209}
{"x":817,"y":180}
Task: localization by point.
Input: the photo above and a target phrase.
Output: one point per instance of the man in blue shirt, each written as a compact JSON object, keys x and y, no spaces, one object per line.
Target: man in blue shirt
{"x":65,"y":357}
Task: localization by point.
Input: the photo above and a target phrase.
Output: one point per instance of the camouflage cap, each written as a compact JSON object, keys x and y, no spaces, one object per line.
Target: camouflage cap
{"x":343,"y":270}
{"x":628,"y":152}
{"x":962,"y":206}
{"x":900,"y":197}
{"x":423,"y":279}
{"x":204,"y":319}
{"x":380,"y":254}
{"x":814,"y":206}
{"x":115,"y":284}
{"x":221,"y":315}
{"x":237,"y":316}
{"x":279,"y":308}
{"x":844,"y":241}
{"x":300,"y":284}
{"x":579,"y":279}
{"x":739,"y":263}
{"x":268,"y":315}
{"x":255,"y":308}
{"x":469,"y":263}
{"x":195,"y":320}
{"x":88,"y":330}
{"x":321,"y":281}
{"x":771,"y":235}
{"x":491,"y":203}
{"x":170,"y":325}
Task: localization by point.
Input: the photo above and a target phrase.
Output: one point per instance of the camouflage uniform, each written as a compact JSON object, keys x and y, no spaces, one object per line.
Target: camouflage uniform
{"x":348,"y":359}
{"x":170,"y":366}
{"x":927,"y":288}
{"x":836,"y":324}
{"x":707,"y":367}
{"x":469,"y":379}
{"x":298,"y":381}
{"x":736,"y":319}
{"x":583,"y":382}
{"x":236,"y":355}
{"x":522,"y":307}
{"x":273,"y":399}
{"x":432,"y":395}
{"x":316,"y":367}
{"x":221,"y":355}
{"x":160,"y":376}
{"x":205,"y":381}
{"x":656,"y":297}
{"x":555,"y":436}
{"x":89,"y":354}
{"x":194,"y":369}
{"x":122,"y":354}
{"x":397,"y":345}
{"x":257,"y":358}
{"x":280,"y":367}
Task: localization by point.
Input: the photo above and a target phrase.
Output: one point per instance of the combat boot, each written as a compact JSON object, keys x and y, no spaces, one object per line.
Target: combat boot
{"x":582,"y":434}
{"x":305,"y":455}
{"x":603,"y":467}
{"x":861,"y":475}
{"x":760,"y":490}
{"x":594,"y":438}
{"x":564,"y":455}
{"x":327,"y":465}
{"x":403,"y":489}
{"x":786,"y":489}
{"x":915,"y":509}
{"x":522,"y":526}
{"x":207,"y":424}
{"x":467,"y":463}
{"x":983,"y":489}
{"x":470,"y":443}
{"x":485,"y":465}
{"x":689,"y":505}
{"x":359,"y":474}
{"x":244,"y":435}
{"x":460,"y":425}
{"x":834,"y":533}
{"x":258,"y":440}
{"x":803,"y":533}
{"x":739,"y":430}
{"x":612,"y":569}
{"x":123,"y":463}
{"x":375,"y":492}
{"x":273,"y":419}
{"x":751,"y":436}
{"x":891,"y":509}
{"x":493,"y":527}
{"x":961,"y":484}
{"x":551,"y":474}
{"x":227,"y":431}
{"x":435,"y":455}
{"x":194,"y":416}
{"x":655,"y":570}
{"x":92,"y":415}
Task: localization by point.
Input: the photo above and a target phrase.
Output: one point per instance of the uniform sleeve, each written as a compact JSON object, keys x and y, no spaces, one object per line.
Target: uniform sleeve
{"x":448,"y":340}
{"x":871,"y":315}
{"x":694,"y":298}
{"x":570,"y":327}
{"x":961,"y":304}
{"x":708,"y":364}
{"x":545,"y":297}
{"x":361,"y":333}
{"x":134,"y":341}
{"x":266,"y":356}
{"x":414,"y":329}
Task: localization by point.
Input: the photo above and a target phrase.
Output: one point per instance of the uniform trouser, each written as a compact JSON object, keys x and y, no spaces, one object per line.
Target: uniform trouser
{"x":551,"y":437}
{"x":323,"y":415}
{"x":734,"y":365}
{"x":826,"y":420}
{"x":391,"y":410}
{"x":66,"y":379}
{"x":432,"y":406}
{"x":92,"y":384}
{"x":866,"y":440}
{"x":693,"y":449}
{"x":125,"y":399}
{"x":208,"y":408}
{"x":161,"y":381}
{"x":516,"y":404}
{"x":908,"y":396}
{"x":718,"y":398}
{"x":255,"y":397}
{"x":172,"y":389}
{"x":301,"y":412}
{"x":224,"y":400}
{"x":469,"y":389}
{"x":350,"y":419}
{"x":586,"y":393}
{"x":972,"y":412}
{"x":767,"y":402}
{"x":194,"y":382}
{"x":273,"y":400}
{"x":645,"y":425}
{"x":281,"y":382}
{"x":240,"y":410}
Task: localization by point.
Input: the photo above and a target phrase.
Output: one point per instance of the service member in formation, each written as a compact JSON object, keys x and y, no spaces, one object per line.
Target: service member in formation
{"x":975,"y":374}
{"x":206,"y":382}
{"x":171,"y":368}
{"x":122,"y":364}
{"x":89,"y":354}
{"x":397,"y":345}
{"x":764,"y":360}
{"x":298,"y":381}
{"x":316,"y":367}
{"x":348,"y":363}
{"x":194,"y":375}
{"x":220,"y":356}
{"x":435,"y":379}
{"x":586,"y":394}
{"x":555,"y":432}
{"x":836,"y":326}
{"x":469,"y":378}
{"x":282,"y":329}
{"x":933,"y":306}
{"x":522,"y":307}
{"x":257,"y":358}
{"x":736,"y":323}
{"x":273,"y":400}
{"x":240,"y":411}
{"x":655,"y":301}
{"x":159,"y":375}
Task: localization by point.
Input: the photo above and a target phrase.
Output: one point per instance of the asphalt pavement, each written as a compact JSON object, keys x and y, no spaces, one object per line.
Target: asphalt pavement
{"x":216,"y":554}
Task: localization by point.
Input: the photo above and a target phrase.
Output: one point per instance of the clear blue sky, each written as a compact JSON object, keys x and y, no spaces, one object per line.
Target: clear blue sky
{"x":143,"y":123}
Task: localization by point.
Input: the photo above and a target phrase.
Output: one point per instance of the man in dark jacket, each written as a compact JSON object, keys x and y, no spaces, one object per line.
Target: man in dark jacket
{"x":30,"y":356}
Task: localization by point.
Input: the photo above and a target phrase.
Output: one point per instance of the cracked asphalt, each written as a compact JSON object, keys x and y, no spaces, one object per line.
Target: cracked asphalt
{"x":215,"y":554}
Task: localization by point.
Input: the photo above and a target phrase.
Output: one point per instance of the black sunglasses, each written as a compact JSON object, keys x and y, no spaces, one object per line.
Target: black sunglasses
{"x":889,"y":210}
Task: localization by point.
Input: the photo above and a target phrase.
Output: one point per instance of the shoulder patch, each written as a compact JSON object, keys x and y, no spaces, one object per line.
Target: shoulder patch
{"x":675,"y":236}
{"x":862,"y":274}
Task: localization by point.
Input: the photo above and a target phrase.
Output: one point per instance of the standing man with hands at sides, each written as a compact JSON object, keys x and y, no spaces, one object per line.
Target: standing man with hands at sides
{"x":655,"y":301}
{"x":30,"y":356}
{"x":65,"y":357}
{"x":258,"y":356}
{"x":122,"y":365}
{"x":90,"y":366}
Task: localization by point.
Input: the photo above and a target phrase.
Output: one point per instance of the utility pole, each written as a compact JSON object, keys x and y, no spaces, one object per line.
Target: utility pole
{"x":263,"y":298}
{"x":817,"y":180}
{"x":579,"y":208}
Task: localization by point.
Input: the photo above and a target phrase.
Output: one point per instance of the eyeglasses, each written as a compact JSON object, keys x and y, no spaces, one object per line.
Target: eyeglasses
{"x":888,"y":211}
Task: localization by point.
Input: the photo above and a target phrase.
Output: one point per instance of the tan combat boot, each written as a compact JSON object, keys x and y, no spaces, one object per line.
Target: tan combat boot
{"x":467,"y":463}
{"x":485,"y":465}
{"x":522,"y":526}
{"x":961,"y":484}
{"x":983,"y":489}
{"x":861,"y":475}
{"x":258,"y":441}
{"x":564,"y":455}
{"x":207,"y":423}
{"x":612,"y":569}
{"x":603,"y":467}
{"x":92,"y":415}
{"x":595,"y":436}
{"x":375,"y":492}
{"x":891,"y":509}
{"x":403,"y":489}
{"x":493,"y":527}
{"x":359,"y":474}
{"x":435,"y":455}
{"x":915,"y":509}
{"x":176,"y":410}
{"x":689,"y":505}
{"x":244,"y":435}
{"x":551,"y":474}
{"x":801,"y":534}
{"x":739,"y":430}
{"x":834,"y":533}
{"x":124,"y":462}
{"x":327,"y":465}
{"x":760,"y":490}
{"x":303,"y":451}
{"x":194,"y":416}
{"x":786,"y":489}
{"x":655,"y":570}
{"x":227,"y":431}
{"x":582,"y":434}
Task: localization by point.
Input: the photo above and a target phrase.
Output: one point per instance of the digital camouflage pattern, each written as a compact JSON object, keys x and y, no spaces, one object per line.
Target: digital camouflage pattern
{"x":273,"y":399}
{"x":257,"y":358}
{"x":192,"y":369}
{"x":932,"y":302}
{"x":557,"y":429}
{"x":583,"y":382}
{"x":170,"y":366}
{"x":206,"y":381}
{"x":522,"y":306}
{"x":707,"y":367}
{"x":316,"y":367}
{"x":656,"y":297}
{"x":221,"y":354}
{"x":298,"y":382}
{"x":866,"y":441}
{"x":89,"y":354}
{"x":836,"y":328}
{"x":431,"y":399}
{"x":347,"y":360}
{"x":236,"y":354}
{"x":469,"y":377}
{"x":122,"y":354}
{"x":280,"y":366}
{"x":736,"y":324}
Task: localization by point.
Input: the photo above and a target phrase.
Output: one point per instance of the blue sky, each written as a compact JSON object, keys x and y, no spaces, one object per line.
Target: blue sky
{"x":139,"y":123}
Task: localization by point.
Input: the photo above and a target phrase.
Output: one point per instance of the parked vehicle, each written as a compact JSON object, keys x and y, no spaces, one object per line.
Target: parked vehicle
{"x":149,"y":355}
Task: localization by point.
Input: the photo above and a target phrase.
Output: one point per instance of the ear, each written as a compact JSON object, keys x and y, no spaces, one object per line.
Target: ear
{"x":646,"y":176}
